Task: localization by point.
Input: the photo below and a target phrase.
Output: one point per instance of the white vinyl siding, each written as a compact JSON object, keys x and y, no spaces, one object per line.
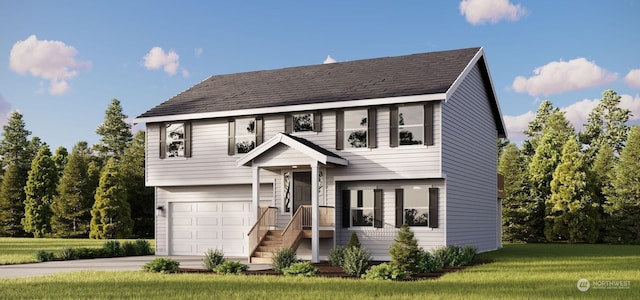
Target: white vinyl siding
{"x":469,"y":158}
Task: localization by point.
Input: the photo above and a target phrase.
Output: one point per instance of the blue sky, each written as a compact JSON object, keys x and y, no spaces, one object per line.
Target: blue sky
{"x":63,"y":61}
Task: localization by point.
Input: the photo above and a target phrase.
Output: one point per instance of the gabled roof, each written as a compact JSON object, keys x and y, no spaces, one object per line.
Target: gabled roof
{"x":314,"y":151}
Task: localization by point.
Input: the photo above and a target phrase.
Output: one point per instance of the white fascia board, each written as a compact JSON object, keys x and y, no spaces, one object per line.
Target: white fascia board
{"x":293,"y":108}
{"x":464,"y":74}
{"x":259,"y":150}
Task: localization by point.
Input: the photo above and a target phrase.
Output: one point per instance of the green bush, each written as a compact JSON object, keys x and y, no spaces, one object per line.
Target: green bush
{"x":142,"y":247}
{"x":428,"y":263}
{"x":112,"y":249}
{"x":354,"y":241}
{"x":336,"y":256}
{"x":162,"y":265}
{"x":68,"y":253}
{"x":231,"y":267}
{"x":405,"y":252}
{"x":283,"y":258}
{"x":385,"y":271}
{"x":356,"y":261}
{"x":84,"y":252}
{"x":128,"y":249}
{"x":303,"y":269}
{"x":213,"y":258}
{"x":42,"y":255}
{"x":445,"y":255}
{"x":465,"y":256}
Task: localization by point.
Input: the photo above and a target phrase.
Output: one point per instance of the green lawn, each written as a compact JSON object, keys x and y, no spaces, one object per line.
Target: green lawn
{"x":536,"y":271}
{"x":22,"y":250}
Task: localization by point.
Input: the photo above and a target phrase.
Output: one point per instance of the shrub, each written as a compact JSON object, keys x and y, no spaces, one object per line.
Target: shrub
{"x":42,"y":255}
{"x":354,"y":241}
{"x":142,"y":247}
{"x":231,"y":267}
{"x":428,"y":263}
{"x":445,"y":255}
{"x":128,"y":249}
{"x":112,"y":249}
{"x":465,"y":256}
{"x":213,"y":258}
{"x":67,"y":253}
{"x":336,"y":256}
{"x":356,"y":261}
{"x":83,"y":252}
{"x":162,"y":265}
{"x":405,"y":252}
{"x":304,"y":269}
{"x":385,"y":271}
{"x":283,"y":258}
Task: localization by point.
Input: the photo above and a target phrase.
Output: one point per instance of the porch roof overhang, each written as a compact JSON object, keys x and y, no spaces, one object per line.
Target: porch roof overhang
{"x":310,"y":149}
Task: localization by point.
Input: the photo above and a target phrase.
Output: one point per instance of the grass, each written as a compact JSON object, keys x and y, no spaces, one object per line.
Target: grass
{"x":22,"y":250}
{"x":538,"y":271}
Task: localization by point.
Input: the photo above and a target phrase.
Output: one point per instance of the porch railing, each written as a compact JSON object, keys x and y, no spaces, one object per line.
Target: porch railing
{"x":302,"y":220}
{"x":266,"y":221}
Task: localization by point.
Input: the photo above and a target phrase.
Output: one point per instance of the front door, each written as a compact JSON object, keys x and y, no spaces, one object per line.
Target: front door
{"x":301,"y":189}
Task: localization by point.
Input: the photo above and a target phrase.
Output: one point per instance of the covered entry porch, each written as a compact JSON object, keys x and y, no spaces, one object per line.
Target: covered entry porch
{"x":309,"y":218}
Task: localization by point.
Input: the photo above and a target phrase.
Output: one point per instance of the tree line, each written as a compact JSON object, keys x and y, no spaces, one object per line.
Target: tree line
{"x":95,"y":191}
{"x":563,"y":185}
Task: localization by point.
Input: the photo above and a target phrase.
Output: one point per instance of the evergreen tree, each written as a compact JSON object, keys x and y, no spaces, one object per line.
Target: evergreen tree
{"x":115,"y":132}
{"x":536,"y":126}
{"x":72,"y":207}
{"x":599,"y":178}
{"x":15,"y":142}
{"x":518,"y":209}
{"x":623,"y":201}
{"x":606,"y":126}
{"x":405,"y":252}
{"x":571,"y":214}
{"x":60,"y":158}
{"x":111,"y":214}
{"x":544,"y":162}
{"x":12,"y":201}
{"x":139,"y":196}
{"x":40,"y":191}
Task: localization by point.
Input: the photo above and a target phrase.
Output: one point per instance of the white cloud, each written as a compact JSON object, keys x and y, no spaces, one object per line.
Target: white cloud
{"x":329,"y":60}
{"x":51,"y":60}
{"x":5,"y":110}
{"x":199,"y":52}
{"x":482,"y":11}
{"x":578,"y":113}
{"x":563,"y":76}
{"x":633,"y":104}
{"x":517,"y":124}
{"x":157,"y":59}
{"x":633,"y":79}
{"x":184,"y":72}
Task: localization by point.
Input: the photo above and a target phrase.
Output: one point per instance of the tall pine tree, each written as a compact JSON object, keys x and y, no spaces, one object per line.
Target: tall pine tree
{"x":518,"y":209}
{"x":12,"y":201}
{"x":139,"y":196}
{"x":111,"y":214}
{"x":60,"y":158}
{"x":40,"y":191}
{"x":607,"y":125}
{"x":115,"y":132}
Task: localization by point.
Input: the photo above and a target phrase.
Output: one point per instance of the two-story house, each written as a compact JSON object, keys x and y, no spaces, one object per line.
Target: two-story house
{"x":304,"y":156}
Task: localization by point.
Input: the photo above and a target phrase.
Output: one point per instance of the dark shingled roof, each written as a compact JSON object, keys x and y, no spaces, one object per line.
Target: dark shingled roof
{"x":416,"y":74}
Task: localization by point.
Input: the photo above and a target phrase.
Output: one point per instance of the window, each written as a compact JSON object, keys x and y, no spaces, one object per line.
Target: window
{"x":286,"y":191}
{"x":417,"y":206}
{"x":411,"y":125}
{"x":362,"y":208}
{"x":244,"y":135}
{"x":356,"y":129}
{"x":175,"y":139}
{"x":302,"y":122}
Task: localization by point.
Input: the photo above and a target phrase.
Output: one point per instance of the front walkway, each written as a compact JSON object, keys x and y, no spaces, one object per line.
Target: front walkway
{"x":129,"y":263}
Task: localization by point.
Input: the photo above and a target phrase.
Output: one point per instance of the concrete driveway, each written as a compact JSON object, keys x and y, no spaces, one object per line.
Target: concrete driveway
{"x":130,"y":263}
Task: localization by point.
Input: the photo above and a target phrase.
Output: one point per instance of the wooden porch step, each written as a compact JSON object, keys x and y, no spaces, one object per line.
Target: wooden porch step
{"x":260,"y":260}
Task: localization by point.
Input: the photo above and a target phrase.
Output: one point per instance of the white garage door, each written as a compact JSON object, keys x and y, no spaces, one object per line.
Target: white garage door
{"x":198,"y":226}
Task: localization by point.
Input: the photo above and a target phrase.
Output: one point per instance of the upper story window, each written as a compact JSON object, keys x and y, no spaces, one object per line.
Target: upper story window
{"x":411,"y":125}
{"x":362,"y":208}
{"x":175,"y":139}
{"x":244,"y":135}
{"x":356,"y":128}
{"x":417,"y":206}
{"x":301,"y":122}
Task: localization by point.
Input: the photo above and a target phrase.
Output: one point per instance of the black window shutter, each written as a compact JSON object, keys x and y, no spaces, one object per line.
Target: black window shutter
{"x":371,"y":127}
{"x":259,"y":131}
{"x":393,"y":127}
{"x":231,"y":147}
{"x":288,"y":123}
{"x":428,"y":124}
{"x":433,"y":207}
{"x":187,"y":139}
{"x":399,"y":207}
{"x":163,"y":140}
{"x":377,"y":208}
{"x":339,"y":130}
{"x":317,"y":122}
{"x":346,"y":208}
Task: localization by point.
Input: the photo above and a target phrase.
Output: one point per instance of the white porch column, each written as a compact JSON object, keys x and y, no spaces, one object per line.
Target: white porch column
{"x":315,"y":215}
{"x":255,"y":192}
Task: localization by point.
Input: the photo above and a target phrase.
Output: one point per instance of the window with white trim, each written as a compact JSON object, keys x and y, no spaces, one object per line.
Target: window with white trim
{"x":416,"y":206}
{"x":411,"y":125}
{"x":355,"y":128}
{"x":362,"y":206}
{"x":245,"y":137}
{"x":302,"y":122}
